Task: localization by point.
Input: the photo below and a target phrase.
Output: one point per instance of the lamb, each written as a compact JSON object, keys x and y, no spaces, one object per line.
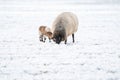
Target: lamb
{"x":44,"y":32}
{"x":65,"y":24}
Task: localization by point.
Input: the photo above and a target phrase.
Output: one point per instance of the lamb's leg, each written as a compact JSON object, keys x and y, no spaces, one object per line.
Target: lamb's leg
{"x":49,"y":40}
{"x":41,"y":37}
{"x":73,"y":37}
{"x":44,"y":39}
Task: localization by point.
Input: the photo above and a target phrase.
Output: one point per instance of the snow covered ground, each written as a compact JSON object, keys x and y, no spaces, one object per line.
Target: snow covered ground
{"x":95,"y":55}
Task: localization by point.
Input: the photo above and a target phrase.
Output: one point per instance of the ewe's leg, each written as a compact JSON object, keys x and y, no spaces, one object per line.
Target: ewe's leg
{"x":65,"y":41}
{"x":73,"y":37}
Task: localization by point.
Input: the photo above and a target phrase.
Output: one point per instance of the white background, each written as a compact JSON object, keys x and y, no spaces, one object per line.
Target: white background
{"x":95,"y":55}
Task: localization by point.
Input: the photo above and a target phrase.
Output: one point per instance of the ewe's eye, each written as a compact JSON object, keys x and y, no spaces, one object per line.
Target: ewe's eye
{"x":54,"y":39}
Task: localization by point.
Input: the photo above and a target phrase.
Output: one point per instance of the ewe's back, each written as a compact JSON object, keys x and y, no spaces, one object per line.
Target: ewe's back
{"x":66,"y":20}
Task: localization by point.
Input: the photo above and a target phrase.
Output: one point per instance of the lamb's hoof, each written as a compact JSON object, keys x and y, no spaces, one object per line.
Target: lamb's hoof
{"x":41,"y":40}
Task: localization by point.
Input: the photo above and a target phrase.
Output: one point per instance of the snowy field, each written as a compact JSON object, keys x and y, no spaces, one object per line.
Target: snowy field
{"x":95,"y":55}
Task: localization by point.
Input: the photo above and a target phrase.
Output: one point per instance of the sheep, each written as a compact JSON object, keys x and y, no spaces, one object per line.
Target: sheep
{"x":44,"y":32}
{"x":65,"y":24}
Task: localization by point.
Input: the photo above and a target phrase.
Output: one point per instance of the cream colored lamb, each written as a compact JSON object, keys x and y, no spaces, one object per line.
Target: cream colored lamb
{"x":44,"y":32}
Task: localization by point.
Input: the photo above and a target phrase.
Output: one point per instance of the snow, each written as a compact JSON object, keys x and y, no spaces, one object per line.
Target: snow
{"x":95,"y":55}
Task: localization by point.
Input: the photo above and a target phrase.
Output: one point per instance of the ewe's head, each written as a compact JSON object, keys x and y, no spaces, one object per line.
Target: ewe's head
{"x":58,"y":37}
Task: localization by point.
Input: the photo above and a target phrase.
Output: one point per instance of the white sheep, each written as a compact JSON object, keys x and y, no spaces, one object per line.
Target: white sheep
{"x":64,"y":25}
{"x":44,"y":32}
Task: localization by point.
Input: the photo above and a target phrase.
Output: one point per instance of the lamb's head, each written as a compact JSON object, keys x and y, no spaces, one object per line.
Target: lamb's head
{"x":49,"y":35}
